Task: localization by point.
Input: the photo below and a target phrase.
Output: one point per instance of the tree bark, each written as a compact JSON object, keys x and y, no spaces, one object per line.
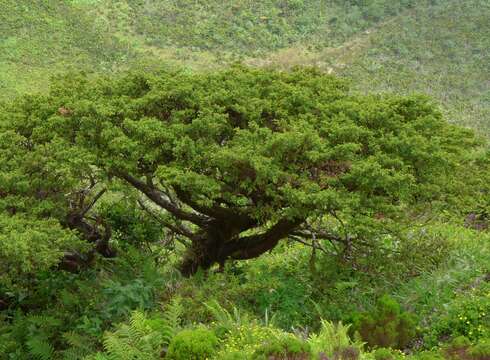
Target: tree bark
{"x":219,"y":227}
{"x":74,"y":261}
{"x":216,"y":246}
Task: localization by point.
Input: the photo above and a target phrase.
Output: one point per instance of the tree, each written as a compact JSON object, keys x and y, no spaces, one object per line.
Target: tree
{"x":233,"y":161}
{"x":47,"y":192}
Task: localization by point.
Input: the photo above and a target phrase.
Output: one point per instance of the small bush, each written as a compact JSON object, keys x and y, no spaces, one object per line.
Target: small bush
{"x":460,"y":342}
{"x":461,"y":348}
{"x":428,"y":355}
{"x":457,"y":348}
{"x":468,"y":315}
{"x":245,"y":339}
{"x":387,"y":326}
{"x":197,"y":344}
{"x":384,"y":354}
{"x":284,"y":347}
{"x":480,"y":351}
{"x":333,"y":341}
{"x":347,"y":353}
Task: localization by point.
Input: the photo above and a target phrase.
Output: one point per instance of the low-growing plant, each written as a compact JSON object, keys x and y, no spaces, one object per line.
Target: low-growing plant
{"x":480,"y":351}
{"x":428,"y":355}
{"x":332,"y":340}
{"x":387,"y":326}
{"x":143,"y":337}
{"x":462,"y":348}
{"x":196,"y":344}
{"x":384,"y":354}
{"x":246,"y":338}
{"x":468,"y":315}
{"x":283,"y":347}
{"x":457,"y":348}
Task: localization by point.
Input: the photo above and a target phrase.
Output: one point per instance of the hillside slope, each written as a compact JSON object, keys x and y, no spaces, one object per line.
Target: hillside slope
{"x":430,"y":46}
{"x":443,"y":51}
{"x":436,"y":48}
{"x":41,"y":37}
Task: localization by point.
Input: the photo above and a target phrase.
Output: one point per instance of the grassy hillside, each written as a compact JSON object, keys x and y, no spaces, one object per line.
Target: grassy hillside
{"x":435,"y":48}
{"x":40,"y":37}
{"x":44,"y":36}
{"x":429,"y":46}
{"x":442,"y":51}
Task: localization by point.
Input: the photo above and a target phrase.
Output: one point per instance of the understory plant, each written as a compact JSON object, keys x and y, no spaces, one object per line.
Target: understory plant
{"x":386,"y":326}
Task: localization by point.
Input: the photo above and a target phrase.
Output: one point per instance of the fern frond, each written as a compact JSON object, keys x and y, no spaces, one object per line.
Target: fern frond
{"x":171,"y":320}
{"x":80,"y":346}
{"x":225,"y":318}
{"x":97,"y":356}
{"x":73,"y":354}
{"x":143,"y":337}
{"x":40,"y":348}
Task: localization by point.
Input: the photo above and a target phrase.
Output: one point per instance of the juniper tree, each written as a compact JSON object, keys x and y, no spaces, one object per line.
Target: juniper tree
{"x":234,"y":161}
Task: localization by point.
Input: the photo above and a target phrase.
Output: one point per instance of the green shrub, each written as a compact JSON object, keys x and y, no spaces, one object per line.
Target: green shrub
{"x":235,"y":355}
{"x":460,"y":342}
{"x":333,"y":340}
{"x":461,"y":348}
{"x":348,"y":353}
{"x":387,"y":326}
{"x":468,"y":315}
{"x":428,"y":355}
{"x":457,"y":348}
{"x":284,"y":347}
{"x":384,"y":354}
{"x":480,"y":351}
{"x":197,"y":344}
{"x":245,"y":339}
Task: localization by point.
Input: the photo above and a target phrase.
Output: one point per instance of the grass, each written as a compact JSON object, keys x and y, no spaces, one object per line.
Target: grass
{"x":441,"y":51}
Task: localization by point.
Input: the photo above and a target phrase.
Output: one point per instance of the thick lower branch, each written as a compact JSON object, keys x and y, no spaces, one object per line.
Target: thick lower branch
{"x":154,"y":195}
{"x":74,"y":261}
{"x":250,"y":247}
{"x":212,"y":248}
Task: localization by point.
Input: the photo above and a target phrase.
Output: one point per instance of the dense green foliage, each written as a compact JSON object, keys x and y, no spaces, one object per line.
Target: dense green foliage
{"x":192,"y":344}
{"x":189,"y":209}
{"x":232,"y":162}
{"x":286,"y":347}
{"x":387,"y":326}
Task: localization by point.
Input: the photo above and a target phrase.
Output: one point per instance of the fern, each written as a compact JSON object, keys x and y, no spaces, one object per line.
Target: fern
{"x":224,"y":318}
{"x":97,"y":356}
{"x":331,"y":339}
{"x":172,"y":318}
{"x":143,"y":338}
{"x":80,"y":346}
{"x":40,"y":348}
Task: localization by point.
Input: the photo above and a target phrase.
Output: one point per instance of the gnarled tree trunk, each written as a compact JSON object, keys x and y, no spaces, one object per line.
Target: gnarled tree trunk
{"x":219,"y":237}
{"x":214,"y":248}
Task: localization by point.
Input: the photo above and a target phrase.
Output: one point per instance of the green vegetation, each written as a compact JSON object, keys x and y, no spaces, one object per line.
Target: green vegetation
{"x":192,"y":344}
{"x":387,"y":326}
{"x":286,"y":347}
{"x":441,"y":51}
{"x":319,"y":200}
{"x":427,"y":46}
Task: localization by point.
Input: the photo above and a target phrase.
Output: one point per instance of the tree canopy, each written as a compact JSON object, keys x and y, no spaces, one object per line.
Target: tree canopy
{"x":230,"y":162}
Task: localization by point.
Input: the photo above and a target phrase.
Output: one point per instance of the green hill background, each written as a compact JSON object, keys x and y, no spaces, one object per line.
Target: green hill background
{"x":430,"y":46}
